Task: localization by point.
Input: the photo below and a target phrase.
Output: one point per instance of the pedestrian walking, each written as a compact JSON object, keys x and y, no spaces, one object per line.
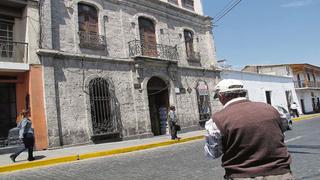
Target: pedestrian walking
{"x":248,"y":136}
{"x":294,"y":109}
{"x":174,"y":127}
{"x":26,"y":134}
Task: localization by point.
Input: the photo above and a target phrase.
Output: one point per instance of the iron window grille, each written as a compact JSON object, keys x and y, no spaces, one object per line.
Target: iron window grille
{"x":105,"y":112}
{"x":203,"y":102}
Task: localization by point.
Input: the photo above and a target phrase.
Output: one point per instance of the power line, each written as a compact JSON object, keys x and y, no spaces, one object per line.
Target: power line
{"x":226,"y":10}
{"x":223,"y":9}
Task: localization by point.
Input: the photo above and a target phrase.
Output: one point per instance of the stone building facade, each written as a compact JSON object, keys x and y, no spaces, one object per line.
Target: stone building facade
{"x":111,"y":68}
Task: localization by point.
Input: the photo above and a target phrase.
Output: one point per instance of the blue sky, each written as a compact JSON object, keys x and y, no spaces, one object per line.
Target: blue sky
{"x":267,"y":32}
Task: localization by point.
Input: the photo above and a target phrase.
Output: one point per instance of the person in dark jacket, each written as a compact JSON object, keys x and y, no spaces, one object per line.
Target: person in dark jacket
{"x":172,"y":118}
{"x":26,"y":134}
{"x":248,"y":135}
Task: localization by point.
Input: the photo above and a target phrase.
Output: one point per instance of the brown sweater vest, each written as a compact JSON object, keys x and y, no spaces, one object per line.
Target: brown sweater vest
{"x":253,"y":143}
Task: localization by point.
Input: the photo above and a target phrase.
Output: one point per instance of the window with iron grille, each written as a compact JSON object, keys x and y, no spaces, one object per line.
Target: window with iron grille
{"x":6,"y":38}
{"x":203,"y":101}
{"x":188,"y":39}
{"x":189,"y":4}
{"x":173,"y":2}
{"x":101,"y":107}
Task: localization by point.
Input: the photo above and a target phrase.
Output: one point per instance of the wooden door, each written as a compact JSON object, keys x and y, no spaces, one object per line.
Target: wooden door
{"x":148,"y":37}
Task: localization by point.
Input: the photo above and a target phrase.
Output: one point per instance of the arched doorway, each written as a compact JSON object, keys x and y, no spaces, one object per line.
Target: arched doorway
{"x":158,"y":96}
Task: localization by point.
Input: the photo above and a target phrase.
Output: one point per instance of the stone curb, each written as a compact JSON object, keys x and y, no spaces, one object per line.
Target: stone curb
{"x":73,"y":158}
{"x":306,"y":117}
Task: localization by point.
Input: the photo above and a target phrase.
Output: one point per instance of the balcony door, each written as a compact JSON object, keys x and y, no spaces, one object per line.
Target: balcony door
{"x":148,"y":37}
{"x":6,"y":38}
{"x":188,"y":39}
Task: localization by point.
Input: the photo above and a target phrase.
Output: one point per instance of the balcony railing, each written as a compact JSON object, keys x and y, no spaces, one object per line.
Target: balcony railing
{"x":306,"y":84}
{"x":92,"y":40}
{"x":160,"y":51}
{"x":11,"y":51}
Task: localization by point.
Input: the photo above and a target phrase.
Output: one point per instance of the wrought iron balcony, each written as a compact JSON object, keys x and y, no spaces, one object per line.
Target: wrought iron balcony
{"x":160,"y":51}
{"x":11,"y":51}
{"x":193,"y":56}
{"x":92,"y":40}
{"x":306,"y":84}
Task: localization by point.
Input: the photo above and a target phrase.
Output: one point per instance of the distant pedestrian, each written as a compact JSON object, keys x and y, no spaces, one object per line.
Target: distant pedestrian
{"x":248,"y":135}
{"x":172,"y":118}
{"x":294,"y":109}
{"x":26,"y":134}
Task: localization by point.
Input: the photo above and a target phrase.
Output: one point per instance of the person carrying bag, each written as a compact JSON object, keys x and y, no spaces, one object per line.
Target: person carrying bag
{"x":26,"y":134}
{"x":174,"y":127}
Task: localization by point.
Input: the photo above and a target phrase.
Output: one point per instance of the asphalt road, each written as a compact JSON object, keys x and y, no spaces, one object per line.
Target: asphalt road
{"x":182,"y":161}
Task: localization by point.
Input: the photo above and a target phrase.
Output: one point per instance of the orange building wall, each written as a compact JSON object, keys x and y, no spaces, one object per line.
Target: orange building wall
{"x":22,"y":90}
{"x":37,"y":107}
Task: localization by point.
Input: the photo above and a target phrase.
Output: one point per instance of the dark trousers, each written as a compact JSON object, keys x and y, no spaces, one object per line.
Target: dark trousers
{"x":295,"y":113}
{"x":173,"y":130}
{"x":28,"y":141}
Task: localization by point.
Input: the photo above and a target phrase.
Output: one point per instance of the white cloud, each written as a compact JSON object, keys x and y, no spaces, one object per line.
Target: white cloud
{"x":297,"y":3}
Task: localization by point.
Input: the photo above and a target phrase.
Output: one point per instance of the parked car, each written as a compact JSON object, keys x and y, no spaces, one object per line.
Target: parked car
{"x":286,"y":117}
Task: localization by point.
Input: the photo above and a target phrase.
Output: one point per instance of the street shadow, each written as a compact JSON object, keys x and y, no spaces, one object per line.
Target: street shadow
{"x":39,"y":157}
{"x":304,"y":146}
{"x":35,"y":158}
{"x":302,"y":152}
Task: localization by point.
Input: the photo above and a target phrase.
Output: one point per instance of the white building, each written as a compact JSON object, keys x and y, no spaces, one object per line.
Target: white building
{"x":275,"y":90}
{"x":306,"y":79}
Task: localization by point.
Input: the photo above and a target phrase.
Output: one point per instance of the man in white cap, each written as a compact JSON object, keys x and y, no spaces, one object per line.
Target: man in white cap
{"x":248,"y":136}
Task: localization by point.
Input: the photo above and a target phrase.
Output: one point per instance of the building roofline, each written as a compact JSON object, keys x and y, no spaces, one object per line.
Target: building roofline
{"x":254,"y":73}
{"x":274,"y":65}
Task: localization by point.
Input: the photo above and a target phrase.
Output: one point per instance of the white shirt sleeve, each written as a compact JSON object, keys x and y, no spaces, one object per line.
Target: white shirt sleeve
{"x":213,"y":143}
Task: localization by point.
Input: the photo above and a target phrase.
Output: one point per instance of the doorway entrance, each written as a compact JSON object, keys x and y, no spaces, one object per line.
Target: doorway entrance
{"x":302,"y":106}
{"x":158,"y":96}
{"x":8,"y":111}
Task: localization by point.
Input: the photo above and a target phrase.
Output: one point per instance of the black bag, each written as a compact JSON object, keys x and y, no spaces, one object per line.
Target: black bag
{"x":177,"y":127}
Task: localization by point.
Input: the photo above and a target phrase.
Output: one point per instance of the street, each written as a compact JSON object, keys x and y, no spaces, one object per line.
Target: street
{"x":182,"y":161}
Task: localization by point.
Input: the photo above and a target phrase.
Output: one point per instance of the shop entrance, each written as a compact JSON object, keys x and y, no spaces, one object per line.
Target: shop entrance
{"x":8,"y":110}
{"x":158,"y":96}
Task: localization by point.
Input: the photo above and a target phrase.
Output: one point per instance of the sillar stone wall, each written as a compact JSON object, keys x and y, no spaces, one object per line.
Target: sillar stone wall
{"x":69,"y":68}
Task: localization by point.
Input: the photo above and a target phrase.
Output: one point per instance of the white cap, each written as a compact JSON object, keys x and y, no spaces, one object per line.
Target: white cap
{"x":228,"y":85}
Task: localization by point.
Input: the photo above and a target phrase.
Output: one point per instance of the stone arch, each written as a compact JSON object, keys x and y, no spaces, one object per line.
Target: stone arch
{"x":144,"y":91}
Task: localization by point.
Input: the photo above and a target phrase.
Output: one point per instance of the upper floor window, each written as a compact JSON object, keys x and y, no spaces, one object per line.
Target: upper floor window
{"x":188,"y":39}
{"x":88,"y":18}
{"x":6,"y":31}
{"x":6,"y":38}
{"x":89,"y":29}
{"x":189,"y":4}
{"x":148,"y":37}
{"x":173,"y":1}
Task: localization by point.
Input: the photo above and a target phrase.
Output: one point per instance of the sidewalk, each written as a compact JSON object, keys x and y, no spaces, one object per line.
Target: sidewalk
{"x":69,"y":154}
{"x":305,"y":117}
